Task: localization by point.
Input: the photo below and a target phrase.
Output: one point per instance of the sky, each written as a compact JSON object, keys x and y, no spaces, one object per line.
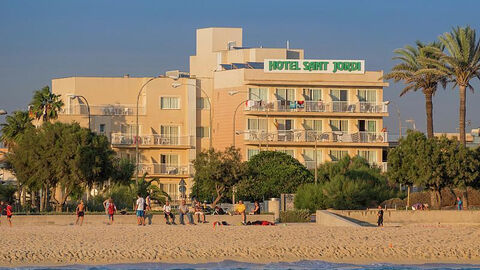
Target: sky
{"x":42,"y":40}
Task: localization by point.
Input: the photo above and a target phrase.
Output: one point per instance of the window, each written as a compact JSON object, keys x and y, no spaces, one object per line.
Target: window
{"x":169,"y":159}
{"x":367,"y":125}
{"x":257,"y":124}
{"x":203,"y":132}
{"x":339,"y":95}
{"x":130,"y":129}
{"x":251,"y":153}
{"x":170,"y":133}
{"x":202,"y":103}
{"x":370,"y":156}
{"x":314,"y":125}
{"x":289,"y":152}
{"x":169,"y":103}
{"x":312,"y":94}
{"x":258,"y":94}
{"x":171,"y":190}
{"x":286,"y":94}
{"x":336,"y":155}
{"x":369,"y":96}
{"x":339,"y":125}
{"x":102,"y":128}
{"x":309,"y":158}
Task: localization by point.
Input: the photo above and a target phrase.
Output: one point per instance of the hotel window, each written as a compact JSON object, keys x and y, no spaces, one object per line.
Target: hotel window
{"x":312,"y":94}
{"x":252,"y":152}
{"x":314,"y":125}
{"x":169,"y":134}
{"x":339,"y":100}
{"x":367,"y":126}
{"x":257,"y":124}
{"x":285,"y":94}
{"x":202,"y":103}
{"x":369,"y":96}
{"x":102,"y":129}
{"x":203,"y":132}
{"x":309,"y":158}
{"x":370,"y":156}
{"x":171,"y":190}
{"x":130,"y":129}
{"x":258,"y":94}
{"x":339,"y":125}
{"x":289,"y":152}
{"x":169,"y":103}
{"x":336,"y":155}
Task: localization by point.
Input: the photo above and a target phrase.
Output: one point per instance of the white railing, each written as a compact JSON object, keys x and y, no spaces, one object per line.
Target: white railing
{"x":164,"y":169}
{"x":112,"y":109}
{"x":317,"y":106}
{"x":311,"y":136}
{"x":151,"y":140}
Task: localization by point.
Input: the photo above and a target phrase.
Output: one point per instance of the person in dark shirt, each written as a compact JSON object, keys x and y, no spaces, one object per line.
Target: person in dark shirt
{"x":380,"y":216}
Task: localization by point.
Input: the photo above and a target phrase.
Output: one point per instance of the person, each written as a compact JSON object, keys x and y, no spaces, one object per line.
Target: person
{"x":380,"y":216}
{"x":256,"y":209}
{"x":148,"y":203}
{"x":240,"y":209}
{"x":105,"y":206}
{"x":183,"y":211}
{"x":112,"y":209}
{"x":167,"y":212}
{"x":2,"y":208}
{"x":459,"y":204}
{"x":139,"y":208}
{"x":199,"y":212}
{"x":80,"y":213}
{"x":9,"y":211}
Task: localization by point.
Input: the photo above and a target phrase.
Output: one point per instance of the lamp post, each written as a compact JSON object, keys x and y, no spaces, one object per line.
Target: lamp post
{"x":177,"y":84}
{"x":79,"y":97}
{"x":3,"y":112}
{"x":137,"y":128}
{"x":232,"y":93}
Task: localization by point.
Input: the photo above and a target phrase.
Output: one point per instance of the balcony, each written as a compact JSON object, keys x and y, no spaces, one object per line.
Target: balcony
{"x":163,"y":169}
{"x":316,"y":106}
{"x":113,"y":109}
{"x":306,"y":136}
{"x":152,"y":140}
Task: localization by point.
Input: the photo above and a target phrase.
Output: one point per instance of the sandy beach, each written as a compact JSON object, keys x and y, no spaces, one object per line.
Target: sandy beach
{"x":122,"y":243}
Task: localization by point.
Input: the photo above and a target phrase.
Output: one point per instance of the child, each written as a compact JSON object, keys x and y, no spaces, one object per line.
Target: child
{"x":112,"y":209}
{"x":9,"y":214}
{"x":80,"y":212}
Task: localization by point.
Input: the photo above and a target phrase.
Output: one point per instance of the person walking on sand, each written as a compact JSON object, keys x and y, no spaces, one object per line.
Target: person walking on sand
{"x":112,"y":209}
{"x":459,"y":204}
{"x":380,"y":216}
{"x":167,"y":212}
{"x":140,"y":210}
{"x":105,"y":206}
{"x":80,"y":212}
{"x":9,"y":211}
{"x":241,"y":209}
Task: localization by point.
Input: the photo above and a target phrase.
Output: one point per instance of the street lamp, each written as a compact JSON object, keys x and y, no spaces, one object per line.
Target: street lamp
{"x":3,"y":112}
{"x":412,"y":121}
{"x":79,"y":97}
{"x":232,"y":93}
{"x":398,"y":115}
{"x":178,"y":84}
{"x":137,"y":128}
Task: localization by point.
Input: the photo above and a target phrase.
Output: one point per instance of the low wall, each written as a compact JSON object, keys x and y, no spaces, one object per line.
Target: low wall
{"x":155,"y":219}
{"x":326,"y":218}
{"x":407,"y":217}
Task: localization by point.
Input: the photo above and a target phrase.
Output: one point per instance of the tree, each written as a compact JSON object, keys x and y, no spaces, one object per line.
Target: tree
{"x":216,"y":172}
{"x":410,"y":72}
{"x":45,"y":105}
{"x":15,"y":126}
{"x":270,"y":174}
{"x":460,"y":65}
{"x":147,"y":187}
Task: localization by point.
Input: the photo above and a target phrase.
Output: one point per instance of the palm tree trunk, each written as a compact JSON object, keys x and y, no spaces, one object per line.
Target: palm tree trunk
{"x":461,"y":122}
{"x":429,"y":110}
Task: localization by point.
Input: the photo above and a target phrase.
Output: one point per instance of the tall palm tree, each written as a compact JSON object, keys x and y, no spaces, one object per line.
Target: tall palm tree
{"x":45,"y":105}
{"x":409,"y":71}
{"x":461,"y":65}
{"x":15,"y":126}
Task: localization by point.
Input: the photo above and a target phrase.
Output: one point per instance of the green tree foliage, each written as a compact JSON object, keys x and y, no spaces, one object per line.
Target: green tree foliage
{"x":350,"y":183}
{"x":270,"y":174}
{"x":15,"y":126}
{"x":150,"y":187}
{"x":45,"y":105}
{"x":60,"y":157}
{"x":409,"y":71}
{"x":216,"y":172}
{"x":7,"y":193}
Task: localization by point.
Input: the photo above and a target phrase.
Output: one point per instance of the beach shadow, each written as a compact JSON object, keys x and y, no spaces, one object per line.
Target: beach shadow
{"x":359,"y":222}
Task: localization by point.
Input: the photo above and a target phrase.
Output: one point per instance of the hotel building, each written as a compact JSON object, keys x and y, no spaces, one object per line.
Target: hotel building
{"x":255,"y":98}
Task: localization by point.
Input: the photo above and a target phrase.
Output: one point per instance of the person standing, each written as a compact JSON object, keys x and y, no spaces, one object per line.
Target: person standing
{"x":241,"y":209}
{"x":459,"y":204}
{"x":140,"y":210}
{"x":148,"y":202}
{"x":80,"y":213}
{"x":380,"y":216}
{"x":112,"y":209}
{"x":9,"y":214}
{"x":105,"y":206}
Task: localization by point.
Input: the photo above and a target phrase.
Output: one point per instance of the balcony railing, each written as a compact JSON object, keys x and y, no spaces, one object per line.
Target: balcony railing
{"x":164,"y":169}
{"x":317,"y":106}
{"x":312,"y":136}
{"x":151,"y":140}
{"x":114,"y":109}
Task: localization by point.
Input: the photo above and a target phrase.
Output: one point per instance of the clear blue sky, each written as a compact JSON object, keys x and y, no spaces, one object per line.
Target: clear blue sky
{"x":41,"y":40}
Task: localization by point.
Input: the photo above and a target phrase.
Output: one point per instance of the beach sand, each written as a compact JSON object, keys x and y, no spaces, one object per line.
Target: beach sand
{"x":102,"y":244}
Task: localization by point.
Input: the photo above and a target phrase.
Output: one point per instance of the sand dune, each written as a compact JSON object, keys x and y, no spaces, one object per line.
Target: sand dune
{"x":102,"y":244}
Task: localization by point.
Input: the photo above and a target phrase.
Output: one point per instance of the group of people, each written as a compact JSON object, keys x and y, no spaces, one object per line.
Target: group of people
{"x":6,"y":210}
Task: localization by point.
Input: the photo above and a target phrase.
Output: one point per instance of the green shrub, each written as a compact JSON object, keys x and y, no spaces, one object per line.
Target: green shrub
{"x":302,"y":215}
{"x":311,"y":197}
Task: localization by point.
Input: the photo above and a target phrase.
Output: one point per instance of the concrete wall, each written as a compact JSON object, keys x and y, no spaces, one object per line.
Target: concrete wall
{"x":157,"y":219}
{"x":326,"y":218}
{"x":408,"y":217}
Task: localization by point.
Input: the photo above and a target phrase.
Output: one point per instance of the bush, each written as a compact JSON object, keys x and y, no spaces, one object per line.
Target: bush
{"x":311,"y":197}
{"x":302,"y":215}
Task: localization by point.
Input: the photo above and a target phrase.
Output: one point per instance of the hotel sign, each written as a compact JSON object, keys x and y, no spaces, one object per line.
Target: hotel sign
{"x":314,"y":66}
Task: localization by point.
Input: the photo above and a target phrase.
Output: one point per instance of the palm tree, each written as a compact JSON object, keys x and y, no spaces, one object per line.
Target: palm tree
{"x":410,"y":72}
{"x":460,"y":65}
{"x":45,"y":105}
{"x":15,"y":126}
